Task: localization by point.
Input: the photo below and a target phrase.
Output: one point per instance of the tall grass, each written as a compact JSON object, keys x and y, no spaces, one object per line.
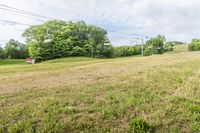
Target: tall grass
{"x":148,"y":94}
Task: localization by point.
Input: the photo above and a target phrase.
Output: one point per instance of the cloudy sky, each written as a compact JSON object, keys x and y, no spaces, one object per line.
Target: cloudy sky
{"x":123,"y":19}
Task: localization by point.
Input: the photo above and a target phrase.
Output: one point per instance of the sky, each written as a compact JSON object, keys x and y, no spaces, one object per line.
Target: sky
{"x":124,"y":20}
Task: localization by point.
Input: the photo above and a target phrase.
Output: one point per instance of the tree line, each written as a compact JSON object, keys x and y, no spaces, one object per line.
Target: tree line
{"x":57,"y":39}
{"x":14,"y":50}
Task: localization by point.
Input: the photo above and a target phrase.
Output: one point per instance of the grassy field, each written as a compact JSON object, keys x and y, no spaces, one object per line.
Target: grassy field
{"x":102,"y":95}
{"x":11,"y":62}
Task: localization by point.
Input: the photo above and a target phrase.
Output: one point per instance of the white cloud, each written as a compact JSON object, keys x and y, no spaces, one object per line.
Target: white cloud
{"x":176,"y":19}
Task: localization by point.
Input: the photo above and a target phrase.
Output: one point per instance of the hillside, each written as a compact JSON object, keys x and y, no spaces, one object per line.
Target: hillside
{"x":102,"y":95}
{"x":181,"y":48}
{"x":11,"y":62}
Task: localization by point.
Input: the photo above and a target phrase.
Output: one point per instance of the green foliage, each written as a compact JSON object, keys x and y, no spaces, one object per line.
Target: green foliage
{"x":173,"y":45}
{"x":148,"y":51}
{"x":2,"y":53}
{"x":67,"y":39}
{"x":195,"y":45}
{"x":137,"y":125}
{"x":124,"y":51}
{"x":78,"y":51}
{"x":16,"y":50}
{"x":105,"y":51}
{"x":155,"y":45}
{"x":169,"y":46}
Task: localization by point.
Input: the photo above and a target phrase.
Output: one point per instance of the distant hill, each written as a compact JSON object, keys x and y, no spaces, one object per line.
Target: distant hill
{"x":181,"y":48}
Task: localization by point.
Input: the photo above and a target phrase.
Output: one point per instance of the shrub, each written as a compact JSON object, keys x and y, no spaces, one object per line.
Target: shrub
{"x":124,"y":51}
{"x":147,"y":51}
{"x":195,"y":45}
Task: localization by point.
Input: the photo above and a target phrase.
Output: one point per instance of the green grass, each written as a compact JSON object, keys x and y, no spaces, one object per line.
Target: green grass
{"x":158,"y":93}
{"x":70,"y":60}
{"x":12,"y":62}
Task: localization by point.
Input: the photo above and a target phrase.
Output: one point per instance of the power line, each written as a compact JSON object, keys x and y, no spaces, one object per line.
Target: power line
{"x":24,"y":15}
{"x":13,"y":9}
{"x":13,"y":22}
{"x":126,"y":33}
{"x":20,"y":11}
{"x":135,"y":36}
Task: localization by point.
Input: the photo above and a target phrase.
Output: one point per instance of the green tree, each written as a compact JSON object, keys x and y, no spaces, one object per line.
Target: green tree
{"x":16,"y":50}
{"x":88,"y":49}
{"x":2,"y":53}
{"x":195,"y":45}
{"x":155,"y":45}
{"x":169,"y":46}
{"x":105,"y":51}
{"x":78,"y":51}
{"x":67,"y":39}
{"x":148,"y":50}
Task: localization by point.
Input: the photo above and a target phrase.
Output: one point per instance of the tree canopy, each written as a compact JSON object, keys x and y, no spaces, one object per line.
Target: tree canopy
{"x":67,"y":39}
{"x":195,"y":45}
{"x":155,"y":45}
{"x":2,"y":53}
{"x":15,"y":50}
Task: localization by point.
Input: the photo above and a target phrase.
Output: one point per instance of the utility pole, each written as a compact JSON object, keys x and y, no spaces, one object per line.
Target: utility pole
{"x":142,"y":46}
{"x":142,"y":49}
{"x":142,"y":41}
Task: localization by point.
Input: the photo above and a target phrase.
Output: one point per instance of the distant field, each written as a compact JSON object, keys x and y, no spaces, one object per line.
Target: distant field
{"x":102,"y":95}
{"x":181,"y":48}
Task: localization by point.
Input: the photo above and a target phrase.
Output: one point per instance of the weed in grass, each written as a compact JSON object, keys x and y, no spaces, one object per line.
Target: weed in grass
{"x":138,"y":125}
{"x":112,"y":110}
{"x":22,"y":127}
{"x":51,"y":124}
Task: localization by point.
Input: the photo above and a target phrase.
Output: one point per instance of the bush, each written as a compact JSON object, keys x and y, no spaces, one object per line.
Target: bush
{"x":124,"y":51}
{"x":155,"y":45}
{"x":195,"y":45}
{"x":137,"y":125}
{"x":169,"y":46}
{"x":147,"y":51}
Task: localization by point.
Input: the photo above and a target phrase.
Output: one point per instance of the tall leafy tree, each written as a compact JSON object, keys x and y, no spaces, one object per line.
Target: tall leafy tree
{"x":195,"y":45}
{"x":155,"y":45}
{"x":169,"y":46}
{"x":2,"y":53}
{"x":67,"y":39}
{"x":15,"y":50}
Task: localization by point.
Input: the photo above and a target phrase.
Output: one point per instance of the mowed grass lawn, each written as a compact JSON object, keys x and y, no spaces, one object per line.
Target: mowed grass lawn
{"x":102,"y":95}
